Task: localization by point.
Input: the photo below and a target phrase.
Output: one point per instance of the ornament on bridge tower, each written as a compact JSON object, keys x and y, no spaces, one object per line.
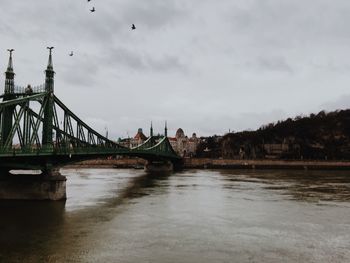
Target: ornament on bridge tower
{"x":49,"y":73}
{"x":10,"y":75}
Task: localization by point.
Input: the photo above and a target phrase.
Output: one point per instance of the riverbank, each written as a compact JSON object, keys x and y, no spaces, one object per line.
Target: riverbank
{"x":265,"y":164}
{"x":207,"y":163}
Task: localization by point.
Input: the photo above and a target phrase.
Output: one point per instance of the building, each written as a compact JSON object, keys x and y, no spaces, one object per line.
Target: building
{"x":183,"y":145}
{"x":138,"y":139}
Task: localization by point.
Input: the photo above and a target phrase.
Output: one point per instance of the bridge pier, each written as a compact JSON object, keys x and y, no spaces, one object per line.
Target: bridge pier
{"x":49,"y":185}
{"x":158,"y":166}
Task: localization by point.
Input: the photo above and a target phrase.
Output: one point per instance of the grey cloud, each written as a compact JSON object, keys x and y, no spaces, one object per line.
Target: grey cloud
{"x":343,"y":102}
{"x":166,"y":63}
{"x":274,"y":64}
{"x":142,"y":61}
{"x":66,"y":20}
{"x":6,"y":29}
{"x":154,"y":13}
{"x":223,"y":123}
{"x":331,"y":66}
{"x":238,"y":53}
{"x":82,"y":73}
{"x":124,"y":57}
{"x":290,"y":19}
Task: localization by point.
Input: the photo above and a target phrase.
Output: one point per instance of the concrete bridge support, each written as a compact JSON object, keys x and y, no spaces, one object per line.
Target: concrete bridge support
{"x":158,"y":166}
{"x":49,"y":185}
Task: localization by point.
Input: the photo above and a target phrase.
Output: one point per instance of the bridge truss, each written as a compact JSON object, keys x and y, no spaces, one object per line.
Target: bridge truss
{"x":38,"y":131}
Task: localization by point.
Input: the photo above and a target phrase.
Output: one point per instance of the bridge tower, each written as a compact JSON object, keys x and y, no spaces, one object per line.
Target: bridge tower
{"x":49,"y":104}
{"x":8,"y":95}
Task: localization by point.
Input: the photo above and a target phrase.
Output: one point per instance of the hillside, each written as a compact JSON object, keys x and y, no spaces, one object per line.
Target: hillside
{"x":322,"y":136}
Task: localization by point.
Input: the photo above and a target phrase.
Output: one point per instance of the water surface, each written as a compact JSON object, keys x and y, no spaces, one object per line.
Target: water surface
{"x":202,"y":216}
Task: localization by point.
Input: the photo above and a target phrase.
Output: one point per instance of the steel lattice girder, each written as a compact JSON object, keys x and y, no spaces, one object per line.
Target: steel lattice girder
{"x":78,"y":144}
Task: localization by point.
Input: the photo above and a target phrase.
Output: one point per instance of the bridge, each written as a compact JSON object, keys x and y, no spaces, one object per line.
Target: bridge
{"x":39,"y":132}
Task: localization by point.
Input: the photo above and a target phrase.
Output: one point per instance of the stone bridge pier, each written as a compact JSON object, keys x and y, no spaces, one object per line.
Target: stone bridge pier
{"x":48,"y":185}
{"x":159,"y":166}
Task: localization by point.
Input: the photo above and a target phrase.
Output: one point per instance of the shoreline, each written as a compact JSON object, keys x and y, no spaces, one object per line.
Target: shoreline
{"x":207,"y":163}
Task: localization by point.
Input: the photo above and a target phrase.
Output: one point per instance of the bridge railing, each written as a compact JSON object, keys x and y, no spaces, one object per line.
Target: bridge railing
{"x":161,"y":150}
{"x":63,"y":151}
{"x":27,"y":90}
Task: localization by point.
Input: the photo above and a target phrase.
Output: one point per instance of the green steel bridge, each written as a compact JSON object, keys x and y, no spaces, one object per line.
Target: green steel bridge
{"x":38,"y":131}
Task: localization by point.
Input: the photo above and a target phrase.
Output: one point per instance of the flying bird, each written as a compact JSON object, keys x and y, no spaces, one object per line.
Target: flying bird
{"x":133,"y":27}
{"x":71,"y":53}
{"x":92,"y":10}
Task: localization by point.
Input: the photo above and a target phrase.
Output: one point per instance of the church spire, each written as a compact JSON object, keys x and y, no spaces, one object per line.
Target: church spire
{"x":151,"y":131}
{"x":166,"y":130}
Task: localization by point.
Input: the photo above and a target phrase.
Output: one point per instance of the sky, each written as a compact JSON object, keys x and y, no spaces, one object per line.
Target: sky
{"x":203,"y":65}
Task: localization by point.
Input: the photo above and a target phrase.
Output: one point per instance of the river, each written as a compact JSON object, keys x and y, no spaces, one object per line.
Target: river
{"x":114,"y":215}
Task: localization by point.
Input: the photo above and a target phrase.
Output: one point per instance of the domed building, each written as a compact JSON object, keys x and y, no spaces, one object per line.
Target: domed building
{"x":179,"y":133}
{"x":183,"y":145}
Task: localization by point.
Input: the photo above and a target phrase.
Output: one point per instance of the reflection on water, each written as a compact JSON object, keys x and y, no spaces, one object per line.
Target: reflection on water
{"x":108,"y":187}
{"x":194,"y":216}
{"x":22,"y":224}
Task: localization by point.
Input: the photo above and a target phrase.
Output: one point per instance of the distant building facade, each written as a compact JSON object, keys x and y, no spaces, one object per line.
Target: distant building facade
{"x":135,"y":141}
{"x":138,"y":139}
{"x":183,"y":145}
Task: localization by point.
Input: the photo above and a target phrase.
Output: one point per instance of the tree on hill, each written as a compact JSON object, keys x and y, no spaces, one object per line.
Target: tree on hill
{"x":317,"y":136}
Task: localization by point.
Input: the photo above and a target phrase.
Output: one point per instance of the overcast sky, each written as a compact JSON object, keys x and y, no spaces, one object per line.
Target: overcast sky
{"x":203,"y":65}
